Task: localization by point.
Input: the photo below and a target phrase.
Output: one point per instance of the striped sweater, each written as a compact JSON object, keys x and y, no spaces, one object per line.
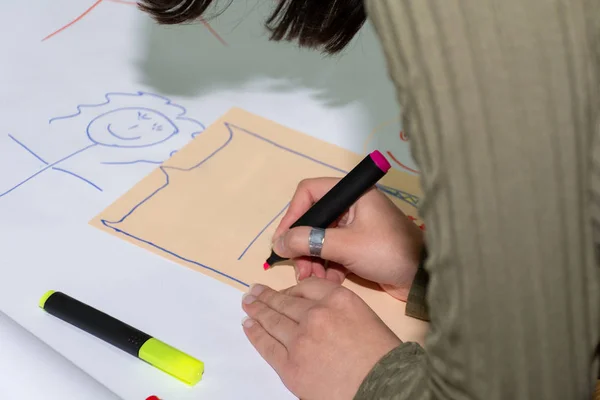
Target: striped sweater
{"x":501,"y":101}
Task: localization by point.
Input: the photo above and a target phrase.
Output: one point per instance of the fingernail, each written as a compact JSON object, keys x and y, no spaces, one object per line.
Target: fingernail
{"x":297,"y":276}
{"x":247,"y":322}
{"x":256,"y":289}
{"x":247,"y":298}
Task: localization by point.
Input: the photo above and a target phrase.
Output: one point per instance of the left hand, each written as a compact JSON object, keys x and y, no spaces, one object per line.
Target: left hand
{"x":321,"y":338}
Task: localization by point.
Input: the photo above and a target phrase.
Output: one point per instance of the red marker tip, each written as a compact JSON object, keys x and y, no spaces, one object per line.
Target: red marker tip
{"x":266,"y":266}
{"x":152,"y":398}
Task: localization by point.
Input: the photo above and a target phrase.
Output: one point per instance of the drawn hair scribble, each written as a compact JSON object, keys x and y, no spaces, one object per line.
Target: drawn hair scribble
{"x":328,"y":25}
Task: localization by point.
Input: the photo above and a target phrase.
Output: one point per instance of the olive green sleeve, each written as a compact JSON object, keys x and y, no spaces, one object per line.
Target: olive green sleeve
{"x":416,"y":304}
{"x":398,"y":375}
{"x":500,"y":100}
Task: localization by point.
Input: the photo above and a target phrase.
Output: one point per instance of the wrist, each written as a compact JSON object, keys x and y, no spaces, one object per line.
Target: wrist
{"x":401,"y":291}
{"x":416,"y":303}
{"x":397,"y":292}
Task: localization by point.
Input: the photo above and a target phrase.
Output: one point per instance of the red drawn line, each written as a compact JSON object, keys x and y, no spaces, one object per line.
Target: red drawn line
{"x":413,"y":219}
{"x":400,"y":164}
{"x":213,"y":32}
{"x":131,"y":3}
{"x":86,"y":12}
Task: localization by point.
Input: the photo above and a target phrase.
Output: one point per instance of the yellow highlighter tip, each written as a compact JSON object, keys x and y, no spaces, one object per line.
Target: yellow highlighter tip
{"x":172,"y":361}
{"x":45,"y":297}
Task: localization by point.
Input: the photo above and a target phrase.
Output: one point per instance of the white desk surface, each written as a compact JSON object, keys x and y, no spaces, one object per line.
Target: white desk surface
{"x":46,"y":240}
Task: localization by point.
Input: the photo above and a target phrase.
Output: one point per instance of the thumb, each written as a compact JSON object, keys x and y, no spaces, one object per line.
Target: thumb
{"x":294,"y":244}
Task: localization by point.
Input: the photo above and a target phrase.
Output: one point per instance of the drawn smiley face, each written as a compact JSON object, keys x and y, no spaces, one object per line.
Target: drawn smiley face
{"x":132,"y":127}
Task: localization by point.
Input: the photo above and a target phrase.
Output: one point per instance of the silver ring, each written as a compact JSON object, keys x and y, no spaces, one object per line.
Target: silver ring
{"x":315,"y":241}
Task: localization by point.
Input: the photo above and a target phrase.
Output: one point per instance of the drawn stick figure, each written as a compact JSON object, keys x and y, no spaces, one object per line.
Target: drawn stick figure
{"x":127,"y":128}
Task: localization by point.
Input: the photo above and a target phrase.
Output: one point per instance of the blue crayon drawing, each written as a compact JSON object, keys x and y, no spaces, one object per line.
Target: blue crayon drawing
{"x":126,"y":129}
{"x":233,"y":130}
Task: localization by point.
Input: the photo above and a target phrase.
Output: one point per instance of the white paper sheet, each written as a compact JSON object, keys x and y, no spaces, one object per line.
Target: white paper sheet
{"x":30,"y":369}
{"x":55,"y":176}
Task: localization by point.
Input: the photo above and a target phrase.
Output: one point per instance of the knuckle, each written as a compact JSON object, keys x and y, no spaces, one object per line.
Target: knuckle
{"x":274,"y":319}
{"x":304,"y":183}
{"x":262,"y":312}
{"x":287,"y":291}
{"x":280,"y":302}
{"x":266,"y":295}
{"x":341,"y":297}
{"x":258,"y":313}
{"x":293,"y":241}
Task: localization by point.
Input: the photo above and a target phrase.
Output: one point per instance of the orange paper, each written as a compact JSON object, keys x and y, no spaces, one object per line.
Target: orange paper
{"x":216,"y":203}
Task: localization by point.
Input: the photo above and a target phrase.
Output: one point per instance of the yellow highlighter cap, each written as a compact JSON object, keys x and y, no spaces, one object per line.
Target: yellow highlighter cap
{"x":172,"y":361}
{"x":45,"y":298}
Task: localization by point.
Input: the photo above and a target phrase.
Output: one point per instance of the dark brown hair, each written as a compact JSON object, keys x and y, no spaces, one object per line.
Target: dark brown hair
{"x":328,"y":25}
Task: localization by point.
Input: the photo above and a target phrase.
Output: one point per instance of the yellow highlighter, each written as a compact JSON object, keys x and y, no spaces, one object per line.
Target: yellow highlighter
{"x":137,"y":343}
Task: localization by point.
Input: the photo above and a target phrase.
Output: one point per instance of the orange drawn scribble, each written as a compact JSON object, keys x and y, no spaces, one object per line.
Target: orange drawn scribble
{"x":70,"y":24}
{"x":131,"y":3}
{"x":213,"y":32}
{"x":374,"y":131}
{"x":400,"y":164}
{"x":403,"y":136}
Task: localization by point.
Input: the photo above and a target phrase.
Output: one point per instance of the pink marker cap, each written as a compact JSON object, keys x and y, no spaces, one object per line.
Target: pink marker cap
{"x":380,"y":161}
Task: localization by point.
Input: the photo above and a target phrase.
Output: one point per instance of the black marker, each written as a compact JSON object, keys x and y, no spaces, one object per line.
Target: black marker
{"x":347,"y":191}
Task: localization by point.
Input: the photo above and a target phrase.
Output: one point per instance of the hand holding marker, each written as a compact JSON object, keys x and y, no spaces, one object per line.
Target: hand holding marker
{"x":347,"y":191}
{"x":170,"y":360}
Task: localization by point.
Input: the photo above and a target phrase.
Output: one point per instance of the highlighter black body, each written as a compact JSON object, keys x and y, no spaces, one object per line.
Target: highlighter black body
{"x":96,"y":323}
